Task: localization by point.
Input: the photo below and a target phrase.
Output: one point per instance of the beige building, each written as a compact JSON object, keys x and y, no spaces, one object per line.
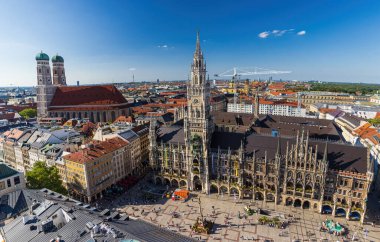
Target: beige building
{"x":309,"y":98}
{"x":92,"y":170}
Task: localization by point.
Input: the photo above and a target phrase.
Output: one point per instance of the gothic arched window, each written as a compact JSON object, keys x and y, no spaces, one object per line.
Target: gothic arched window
{"x":198,"y":114}
{"x":290,"y":174}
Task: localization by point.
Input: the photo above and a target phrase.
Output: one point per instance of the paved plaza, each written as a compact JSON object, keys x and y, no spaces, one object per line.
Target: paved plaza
{"x":225,"y":210}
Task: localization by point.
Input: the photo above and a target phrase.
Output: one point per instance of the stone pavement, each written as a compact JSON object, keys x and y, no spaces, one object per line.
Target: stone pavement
{"x":305,"y":226}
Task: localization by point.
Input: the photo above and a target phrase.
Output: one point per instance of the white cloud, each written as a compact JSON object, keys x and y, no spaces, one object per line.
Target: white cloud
{"x":264,"y":35}
{"x":278,"y":33}
{"x":163,"y":46}
{"x":302,"y":32}
{"x":132,"y":69}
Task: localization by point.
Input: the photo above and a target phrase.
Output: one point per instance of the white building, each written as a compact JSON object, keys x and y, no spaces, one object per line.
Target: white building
{"x":375,"y":98}
{"x":240,"y":108}
{"x":10,"y":179}
{"x":283,"y":109}
{"x":268,"y":107}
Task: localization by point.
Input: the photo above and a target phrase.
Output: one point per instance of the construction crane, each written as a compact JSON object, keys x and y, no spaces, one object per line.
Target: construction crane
{"x":237,"y":72}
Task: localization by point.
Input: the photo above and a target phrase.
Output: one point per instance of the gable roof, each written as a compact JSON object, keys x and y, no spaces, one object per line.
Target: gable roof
{"x":87,"y":95}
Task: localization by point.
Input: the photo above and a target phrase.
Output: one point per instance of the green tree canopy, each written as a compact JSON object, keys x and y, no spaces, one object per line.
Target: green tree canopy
{"x":374,"y":121}
{"x":43,"y":176}
{"x":28,"y":113}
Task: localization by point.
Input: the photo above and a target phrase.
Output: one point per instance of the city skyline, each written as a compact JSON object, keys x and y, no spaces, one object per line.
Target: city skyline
{"x":110,"y":42}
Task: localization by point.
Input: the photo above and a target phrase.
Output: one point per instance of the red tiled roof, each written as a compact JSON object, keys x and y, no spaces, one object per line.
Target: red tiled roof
{"x":87,"y":95}
{"x":171,"y":93}
{"x":178,"y":100}
{"x":326,"y":110}
{"x":141,"y":110}
{"x":277,"y":86}
{"x":279,"y":102}
{"x":89,"y":126}
{"x":96,"y":149}
{"x":366,"y":131}
{"x":124,"y":119}
{"x":279,"y":93}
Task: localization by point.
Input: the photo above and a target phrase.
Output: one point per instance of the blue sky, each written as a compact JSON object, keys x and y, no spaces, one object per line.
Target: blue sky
{"x":106,"y":41}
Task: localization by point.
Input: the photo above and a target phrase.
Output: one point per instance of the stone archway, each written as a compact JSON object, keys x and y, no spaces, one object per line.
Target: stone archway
{"x":270,"y":197}
{"x":297,"y":203}
{"x":289,"y":201}
{"x":158,"y":181}
{"x":213,"y":188}
{"x":340,"y":212}
{"x":355,"y":215}
{"x":166,"y":181}
{"x":182,"y":183}
{"x":234,"y":192}
{"x":326,"y":209}
{"x":197,"y":184}
{"x":175,"y":183}
{"x":259,"y":196}
{"x":223,"y":190}
{"x":306,"y":205}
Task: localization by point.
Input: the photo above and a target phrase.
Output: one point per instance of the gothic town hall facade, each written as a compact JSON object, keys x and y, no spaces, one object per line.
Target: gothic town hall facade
{"x":213,"y":152}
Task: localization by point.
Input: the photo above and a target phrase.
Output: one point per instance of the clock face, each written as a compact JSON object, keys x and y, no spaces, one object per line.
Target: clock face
{"x":195,"y":101}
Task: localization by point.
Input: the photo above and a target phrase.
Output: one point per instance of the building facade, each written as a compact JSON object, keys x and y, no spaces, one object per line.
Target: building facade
{"x":91,"y":171}
{"x":294,"y":170}
{"x":10,"y":179}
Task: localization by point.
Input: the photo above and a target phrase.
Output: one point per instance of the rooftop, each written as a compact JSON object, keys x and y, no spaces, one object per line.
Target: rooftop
{"x":6,"y":171}
{"x":74,"y":223}
{"x":87,"y":95}
{"x":95,"y":150}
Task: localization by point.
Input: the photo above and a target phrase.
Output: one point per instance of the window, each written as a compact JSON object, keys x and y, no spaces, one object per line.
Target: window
{"x":9,"y":182}
{"x":17,"y":180}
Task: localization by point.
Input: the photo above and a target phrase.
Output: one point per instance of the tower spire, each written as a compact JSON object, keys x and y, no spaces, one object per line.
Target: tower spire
{"x":198,"y":45}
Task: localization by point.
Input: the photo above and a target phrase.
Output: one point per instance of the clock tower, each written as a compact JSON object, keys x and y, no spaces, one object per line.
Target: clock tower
{"x":198,"y":125}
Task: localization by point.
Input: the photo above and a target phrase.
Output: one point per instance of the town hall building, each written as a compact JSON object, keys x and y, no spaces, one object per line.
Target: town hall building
{"x":236,"y":154}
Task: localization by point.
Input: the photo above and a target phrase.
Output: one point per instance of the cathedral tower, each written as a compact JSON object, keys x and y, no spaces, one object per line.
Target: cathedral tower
{"x":198,"y":124}
{"x":45,"y":90}
{"x":59,"y":78}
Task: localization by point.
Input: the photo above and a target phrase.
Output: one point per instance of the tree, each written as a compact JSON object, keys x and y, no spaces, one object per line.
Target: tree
{"x":28,"y":113}
{"x":43,"y":176}
{"x":374,"y":121}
